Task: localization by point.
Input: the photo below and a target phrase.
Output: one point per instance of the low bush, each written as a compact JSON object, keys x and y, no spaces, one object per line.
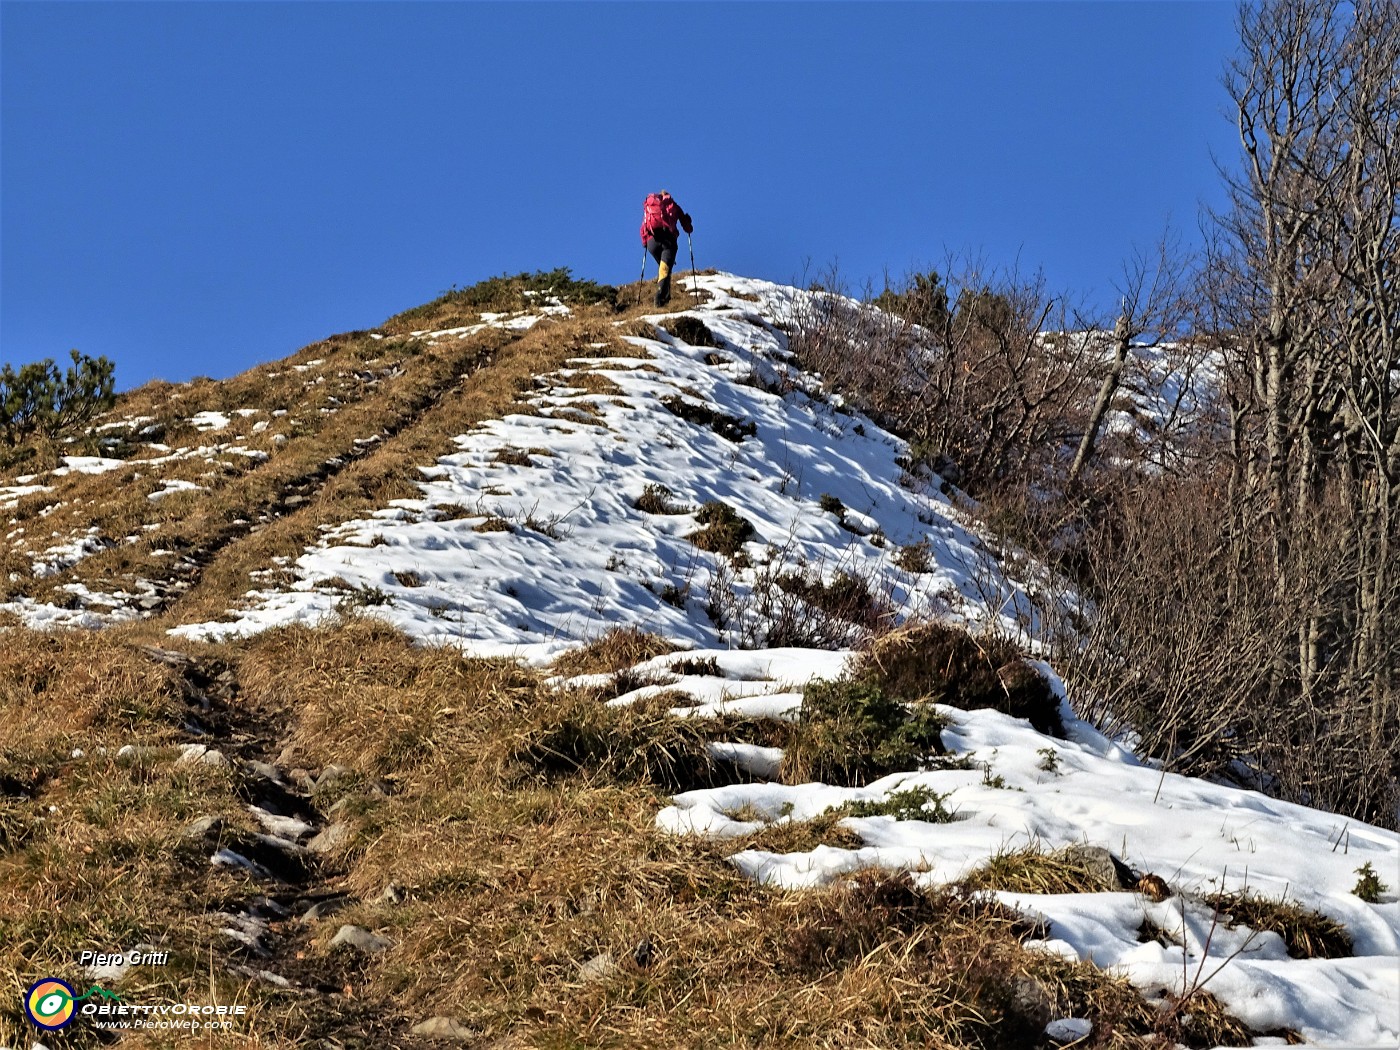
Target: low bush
{"x":846,"y":596}
{"x":656,"y":499}
{"x":692,"y":330}
{"x":850,"y":731}
{"x":731,"y":428}
{"x":915,"y":558}
{"x":724,"y":532}
{"x":947,"y":665}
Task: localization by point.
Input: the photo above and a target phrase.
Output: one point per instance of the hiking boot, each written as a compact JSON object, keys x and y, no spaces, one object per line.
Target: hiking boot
{"x":663,"y":292}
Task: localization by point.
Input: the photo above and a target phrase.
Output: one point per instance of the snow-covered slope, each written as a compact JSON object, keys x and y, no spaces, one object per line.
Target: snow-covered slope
{"x":528,"y":539}
{"x":1025,"y":790}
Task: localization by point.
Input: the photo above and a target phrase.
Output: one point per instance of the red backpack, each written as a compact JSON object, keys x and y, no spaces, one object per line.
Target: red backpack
{"x":654,"y":216}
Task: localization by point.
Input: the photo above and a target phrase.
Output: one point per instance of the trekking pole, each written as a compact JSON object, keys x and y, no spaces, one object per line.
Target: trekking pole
{"x":693,"y":285}
{"x":643,"y":276}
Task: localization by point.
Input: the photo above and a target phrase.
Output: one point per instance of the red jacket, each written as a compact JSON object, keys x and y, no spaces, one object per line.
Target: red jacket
{"x":661,"y":212}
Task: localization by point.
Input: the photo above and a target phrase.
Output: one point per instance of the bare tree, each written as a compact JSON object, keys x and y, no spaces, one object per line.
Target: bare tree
{"x":1304,"y":285}
{"x":1152,"y":305}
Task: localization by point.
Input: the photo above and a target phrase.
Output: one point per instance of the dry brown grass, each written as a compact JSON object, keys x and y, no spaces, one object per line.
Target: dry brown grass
{"x":407,"y":392}
{"x":1034,"y":869}
{"x":1305,"y":933}
{"x":90,"y":848}
{"x":615,"y":650}
{"x":511,"y":881}
{"x":946,"y":664}
{"x":506,"y":880}
{"x":501,"y":367}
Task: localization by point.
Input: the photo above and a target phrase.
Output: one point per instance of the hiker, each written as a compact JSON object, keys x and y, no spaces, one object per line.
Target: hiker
{"x":659,"y":217}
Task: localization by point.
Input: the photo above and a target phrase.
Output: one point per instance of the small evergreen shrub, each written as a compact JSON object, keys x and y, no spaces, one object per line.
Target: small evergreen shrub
{"x":724,"y":532}
{"x":1369,"y":886}
{"x":915,"y":803}
{"x":850,"y":732}
{"x":832,"y":504}
{"x":923,"y":300}
{"x":38,"y":400}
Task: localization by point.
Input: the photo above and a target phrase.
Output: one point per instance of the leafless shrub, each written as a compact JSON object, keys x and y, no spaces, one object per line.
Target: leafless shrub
{"x":789,"y":601}
{"x":957,"y":365}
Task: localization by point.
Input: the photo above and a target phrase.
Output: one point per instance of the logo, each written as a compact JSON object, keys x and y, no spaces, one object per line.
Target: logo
{"x":52,"y":1004}
{"x":49,"y":1003}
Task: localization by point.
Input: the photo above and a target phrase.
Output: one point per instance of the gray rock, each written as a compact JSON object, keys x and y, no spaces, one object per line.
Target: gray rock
{"x":598,"y":968}
{"x":361,"y":939}
{"x":266,"y":771}
{"x":203,"y":828}
{"x":1103,"y":867}
{"x":321,"y":909}
{"x":330,"y":775}
{"x":200,"y":755}
{"x":445,"y":1028}
{"x":1032,"y":1000}
{"x":1068,"y":1030}
{"x":392,"y":894}
{"x":330,"y":838}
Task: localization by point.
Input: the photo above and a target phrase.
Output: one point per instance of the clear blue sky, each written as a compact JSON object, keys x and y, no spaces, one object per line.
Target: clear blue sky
{"x":192,"y":188}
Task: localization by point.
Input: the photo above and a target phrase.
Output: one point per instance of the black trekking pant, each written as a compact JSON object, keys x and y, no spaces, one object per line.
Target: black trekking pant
{"x":663,"y":249}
